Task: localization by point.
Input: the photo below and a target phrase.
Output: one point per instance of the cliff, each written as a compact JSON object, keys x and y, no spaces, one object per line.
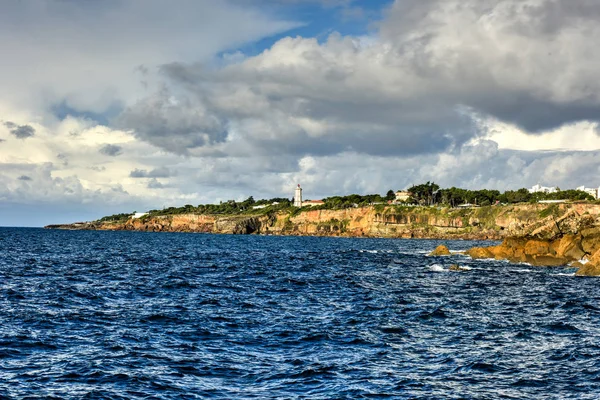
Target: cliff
{"x":493,"y":222}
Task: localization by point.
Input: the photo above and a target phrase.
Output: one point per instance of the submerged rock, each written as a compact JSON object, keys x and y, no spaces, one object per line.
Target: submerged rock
{"x":457,"y":268}
{"x":441,"y":250}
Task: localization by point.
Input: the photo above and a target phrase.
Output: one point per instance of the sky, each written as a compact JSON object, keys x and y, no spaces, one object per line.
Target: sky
{"x":129,"y":105}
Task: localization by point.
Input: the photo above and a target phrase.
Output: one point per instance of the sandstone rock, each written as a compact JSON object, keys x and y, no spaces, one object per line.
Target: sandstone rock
{"x":590,"y":242}
{"x":548,"y":261}
{"x":570,"y":247}
{"x":441,"y":250}
{"x":576,"y":264}
{"x":591,"y":267}
{"x":479,"y":253}
{"x":535,"y":247}
{"x":457,"y":268}
{"x":588,"y":269}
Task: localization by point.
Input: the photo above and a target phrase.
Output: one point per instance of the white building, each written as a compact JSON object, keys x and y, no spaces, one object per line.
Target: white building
{"x":590,"y":191}
{"x":402,"y":195}
{"x":298,"y":197}
{"x":312,"y":203}
{"x":138,"y":215}
{"x":542,"y":189}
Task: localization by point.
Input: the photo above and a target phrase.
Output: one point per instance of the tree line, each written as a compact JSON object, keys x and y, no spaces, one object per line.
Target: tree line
{"x":425,"y":194}
{"x":431,"y":194}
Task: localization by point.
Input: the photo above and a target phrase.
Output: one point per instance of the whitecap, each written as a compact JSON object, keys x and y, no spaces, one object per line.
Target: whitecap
{"x":522,"y":270}
{"x":437,"y":268}
{"x":564,"y":274}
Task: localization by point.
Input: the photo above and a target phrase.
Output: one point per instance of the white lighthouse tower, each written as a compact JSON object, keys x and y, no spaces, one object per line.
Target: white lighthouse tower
{"x":298,"y":197}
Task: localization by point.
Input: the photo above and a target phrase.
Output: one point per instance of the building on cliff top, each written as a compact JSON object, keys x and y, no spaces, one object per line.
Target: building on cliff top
{"x":402,"y":195}
{"x":592,"y":192}
{"x":542,"y":189}
{"x":312,"y":203}
{"x":298,"y":202}
{"x":298,"y":197}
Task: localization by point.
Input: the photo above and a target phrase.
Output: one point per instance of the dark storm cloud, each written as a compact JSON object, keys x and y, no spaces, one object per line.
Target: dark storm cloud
{"x":20,"y":131}
{"x":111,"y":150}
{"x":536,"y":115}
{"x":24,"y":178}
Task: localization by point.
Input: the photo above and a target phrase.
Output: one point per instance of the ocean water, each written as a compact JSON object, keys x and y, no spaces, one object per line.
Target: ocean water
{"x":127,"y":315}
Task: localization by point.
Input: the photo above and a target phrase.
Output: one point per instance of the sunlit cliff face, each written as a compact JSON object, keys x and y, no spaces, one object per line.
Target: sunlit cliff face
{"x":121,"y":106}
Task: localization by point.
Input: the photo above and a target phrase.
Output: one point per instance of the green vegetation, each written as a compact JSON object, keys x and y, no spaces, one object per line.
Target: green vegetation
{"x":353,"y":200}
{"x":426,"y":194}
{"x":230,"y":207}
{"x":550,"y":210}
{"x":430,"y":194}
{"x":116,"y":218}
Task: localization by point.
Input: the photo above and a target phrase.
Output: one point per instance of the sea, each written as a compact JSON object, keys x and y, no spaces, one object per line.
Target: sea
{"x":132,"y":315}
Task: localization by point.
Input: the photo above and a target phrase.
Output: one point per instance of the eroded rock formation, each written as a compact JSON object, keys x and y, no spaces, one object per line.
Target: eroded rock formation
{"x":570,"y":238}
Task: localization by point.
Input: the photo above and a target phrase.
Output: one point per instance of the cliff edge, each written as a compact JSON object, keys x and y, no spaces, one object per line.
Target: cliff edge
{"x":491,"y":222}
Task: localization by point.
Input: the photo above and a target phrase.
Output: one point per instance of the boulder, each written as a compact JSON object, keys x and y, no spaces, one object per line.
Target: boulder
{"x":480,"y":252}
{"x":588,"y":269}
{"x":590,"y":242}
{"x":441,"y":250}
{"x":576,"y":264}
{"x":592,"y":267}
{"x":569,"y":246}
{"x":457,"y":268}
{"x":548,"y":261}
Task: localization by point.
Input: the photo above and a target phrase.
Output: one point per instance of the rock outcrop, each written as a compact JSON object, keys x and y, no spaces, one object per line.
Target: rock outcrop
{"x":556,"y":240}
{"x":457,"y":268}
{"x":441,"y":250}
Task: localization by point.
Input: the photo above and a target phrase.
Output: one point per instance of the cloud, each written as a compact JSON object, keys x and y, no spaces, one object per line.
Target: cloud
{"x":175,"y":124}
{"x":155,"y":184}
{"x":154,"y":173}
{"x":24,"y":178}
{"x":111,"y":150}
{"x":464,"y":93}
{"x":20,"y":131}
{"x":61,"y":35}
{"x":415,"y":88}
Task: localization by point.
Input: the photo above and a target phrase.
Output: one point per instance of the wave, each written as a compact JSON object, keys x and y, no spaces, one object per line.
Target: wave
{"x":437,"y":268}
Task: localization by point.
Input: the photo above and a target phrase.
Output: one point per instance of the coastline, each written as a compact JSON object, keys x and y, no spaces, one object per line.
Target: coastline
{"x":477,"y":223}
{"x":539,"y":234}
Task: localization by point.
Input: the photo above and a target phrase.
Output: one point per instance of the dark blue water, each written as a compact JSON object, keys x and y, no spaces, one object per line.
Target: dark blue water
{"x":128,"y":315}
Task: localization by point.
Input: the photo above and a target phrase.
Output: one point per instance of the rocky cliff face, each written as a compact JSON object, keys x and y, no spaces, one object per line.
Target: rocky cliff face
{"x":538,"y":234}
{"x":390,"y":221}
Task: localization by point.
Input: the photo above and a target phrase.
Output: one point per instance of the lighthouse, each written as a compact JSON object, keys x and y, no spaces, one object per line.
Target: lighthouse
{"x":298,"y":197}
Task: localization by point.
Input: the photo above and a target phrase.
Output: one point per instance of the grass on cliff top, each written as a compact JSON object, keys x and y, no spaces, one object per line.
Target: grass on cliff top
{"x":486,"y":214}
